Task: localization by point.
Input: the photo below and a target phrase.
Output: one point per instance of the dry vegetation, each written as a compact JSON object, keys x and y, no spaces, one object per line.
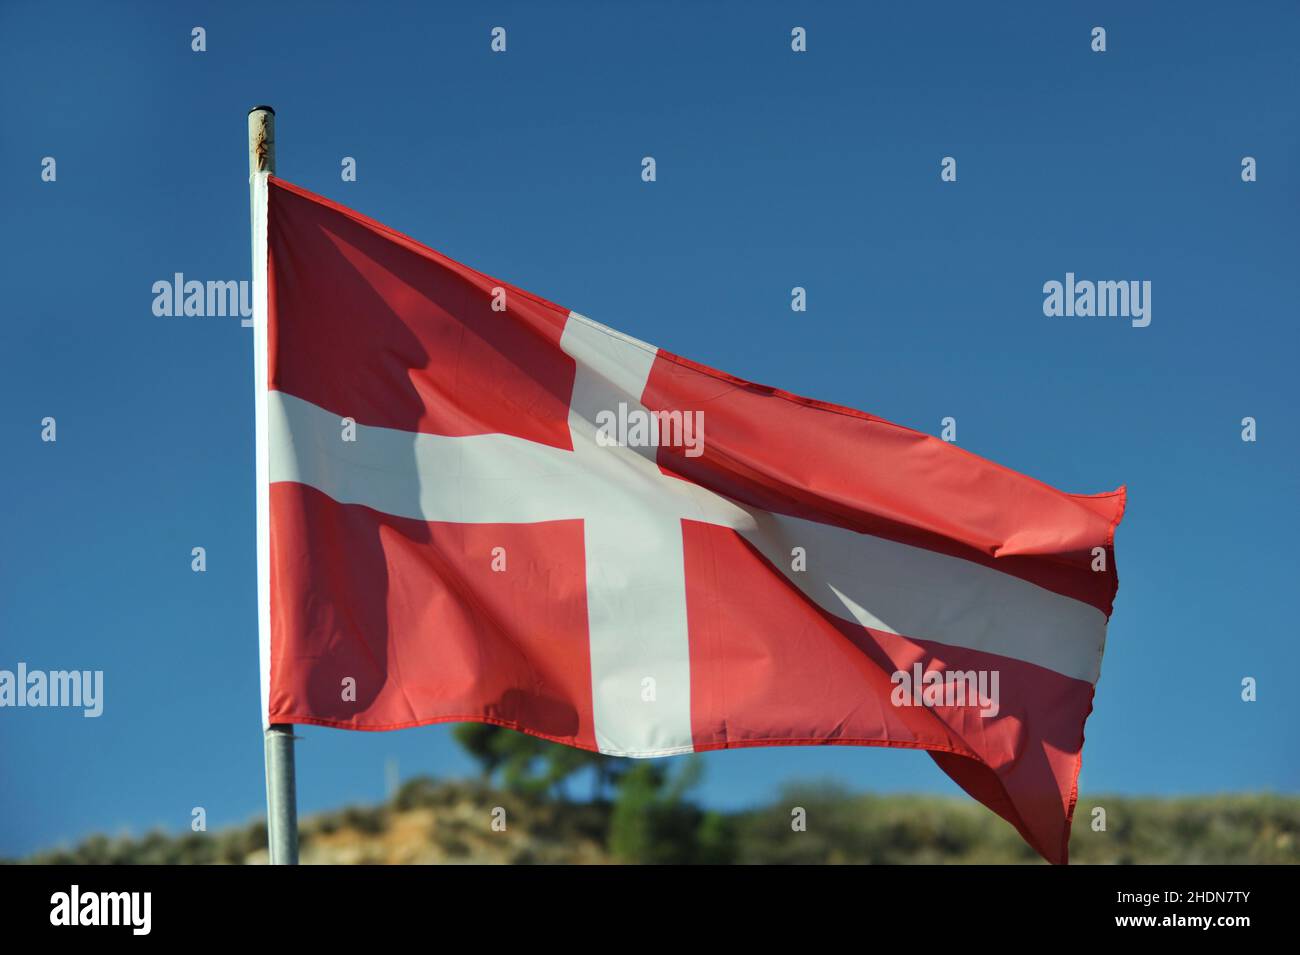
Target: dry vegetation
{"x":451,"y":822}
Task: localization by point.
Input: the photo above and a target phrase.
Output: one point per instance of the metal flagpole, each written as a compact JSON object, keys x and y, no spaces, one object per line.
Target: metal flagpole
{"x":281,"y":797}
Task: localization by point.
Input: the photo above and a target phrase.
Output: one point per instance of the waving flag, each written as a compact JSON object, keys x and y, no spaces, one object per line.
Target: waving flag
{"x":478,"y":506}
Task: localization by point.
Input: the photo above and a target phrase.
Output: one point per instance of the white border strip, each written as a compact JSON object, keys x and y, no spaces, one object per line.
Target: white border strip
{"x":261,"y":294}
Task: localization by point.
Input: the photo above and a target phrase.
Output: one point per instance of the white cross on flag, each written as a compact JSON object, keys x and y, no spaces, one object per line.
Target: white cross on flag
{"x":477,"y":506}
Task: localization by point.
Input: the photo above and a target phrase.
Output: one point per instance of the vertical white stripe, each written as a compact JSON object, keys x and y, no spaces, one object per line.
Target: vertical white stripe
{"x":262,"y":447}
{"x":636,"y":583}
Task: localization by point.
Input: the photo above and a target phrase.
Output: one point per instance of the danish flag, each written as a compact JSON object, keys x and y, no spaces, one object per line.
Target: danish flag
{"x":450,"y":529}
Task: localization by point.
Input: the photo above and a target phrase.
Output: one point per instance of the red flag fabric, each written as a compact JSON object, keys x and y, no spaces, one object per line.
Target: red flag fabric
{"x":479,"y":506}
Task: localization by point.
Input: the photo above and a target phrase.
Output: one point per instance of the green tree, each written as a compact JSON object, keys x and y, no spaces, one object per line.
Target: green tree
{"x":652,"y":822}
{"x":531,"y":765}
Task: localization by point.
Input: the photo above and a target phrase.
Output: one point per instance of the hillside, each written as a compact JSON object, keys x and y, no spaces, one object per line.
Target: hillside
{"x":452,"y":822}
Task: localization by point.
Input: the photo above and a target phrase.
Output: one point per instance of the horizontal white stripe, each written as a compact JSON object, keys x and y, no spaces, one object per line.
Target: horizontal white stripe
{"x":922,"y":594}
{"x":478,"y":479}
{"x":501,"y":479}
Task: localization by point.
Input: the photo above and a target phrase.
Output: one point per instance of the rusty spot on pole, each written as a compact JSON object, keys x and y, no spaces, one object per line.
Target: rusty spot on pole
{"x":261,"y":139}
{"x":261,"y":149}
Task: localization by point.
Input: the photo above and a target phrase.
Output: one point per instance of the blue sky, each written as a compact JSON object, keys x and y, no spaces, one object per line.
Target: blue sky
{"x":774,"y":170}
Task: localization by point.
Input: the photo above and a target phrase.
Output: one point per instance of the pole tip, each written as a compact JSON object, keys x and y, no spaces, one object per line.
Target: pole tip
{"x":263,"y":109}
